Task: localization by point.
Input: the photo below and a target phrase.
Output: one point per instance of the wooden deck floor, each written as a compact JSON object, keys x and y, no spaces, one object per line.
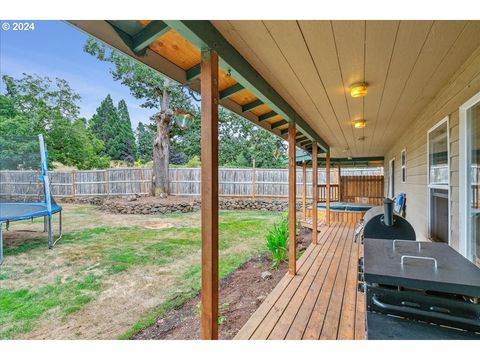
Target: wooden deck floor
{"x":321,"y":301}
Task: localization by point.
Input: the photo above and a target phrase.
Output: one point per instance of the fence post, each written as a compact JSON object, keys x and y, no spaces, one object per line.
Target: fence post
{"x":142,"y":183}
{"x":107,"y":181}
{"x":254,"y":180}
{"x":73,"y":183}
{"x":177,"y":187}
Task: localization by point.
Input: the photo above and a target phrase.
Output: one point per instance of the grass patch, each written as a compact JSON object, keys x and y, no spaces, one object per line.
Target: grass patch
{"x":20,"y":308}
{"x":108,"y":250}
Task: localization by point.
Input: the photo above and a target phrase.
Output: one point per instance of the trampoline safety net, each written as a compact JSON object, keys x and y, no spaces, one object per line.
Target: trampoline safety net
{"x":20,"y":170}
{"x":24,"y":184}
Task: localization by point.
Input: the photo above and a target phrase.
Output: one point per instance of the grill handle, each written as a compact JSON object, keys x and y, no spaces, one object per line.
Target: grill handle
{"x":419,"y":312}
{"x":402,"y":259}
{"x":409,"y":241}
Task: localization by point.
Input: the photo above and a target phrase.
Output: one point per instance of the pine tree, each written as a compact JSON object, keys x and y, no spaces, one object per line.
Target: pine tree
{"x":113,"y":126}
{"x":103,"y":125}
{"x":127,"y":138}
{"x":145,"y":137}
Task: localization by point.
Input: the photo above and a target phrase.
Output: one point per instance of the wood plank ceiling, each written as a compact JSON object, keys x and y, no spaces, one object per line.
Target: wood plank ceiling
{"x":312,"y":64}
{"x":179,"y":51}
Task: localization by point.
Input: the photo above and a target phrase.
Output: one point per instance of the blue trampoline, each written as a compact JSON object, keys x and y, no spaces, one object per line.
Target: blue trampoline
{"x":24,"y":185}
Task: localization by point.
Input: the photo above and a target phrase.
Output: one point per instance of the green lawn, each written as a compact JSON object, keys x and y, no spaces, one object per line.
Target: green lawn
{"x":111,"y":275}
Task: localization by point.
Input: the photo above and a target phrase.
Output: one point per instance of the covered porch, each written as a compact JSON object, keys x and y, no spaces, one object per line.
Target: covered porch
{"x":307,"y":82}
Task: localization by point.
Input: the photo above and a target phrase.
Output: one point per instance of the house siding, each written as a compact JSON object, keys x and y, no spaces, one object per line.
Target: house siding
{"x":464,"y":84}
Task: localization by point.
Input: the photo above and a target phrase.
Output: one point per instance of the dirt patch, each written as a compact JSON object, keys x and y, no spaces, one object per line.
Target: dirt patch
{"x":241,"y":293}
{"x":155,"y":226}
{"x":304,"y":238}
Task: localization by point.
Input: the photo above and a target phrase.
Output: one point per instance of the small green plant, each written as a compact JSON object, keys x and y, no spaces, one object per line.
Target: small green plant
{"x":277,"y":240}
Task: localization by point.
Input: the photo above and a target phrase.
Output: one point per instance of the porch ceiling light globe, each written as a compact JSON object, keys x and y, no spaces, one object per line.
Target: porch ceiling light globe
{"x":359,"y":124}
{"x":183,"y":119}
{"x":358,"y":90}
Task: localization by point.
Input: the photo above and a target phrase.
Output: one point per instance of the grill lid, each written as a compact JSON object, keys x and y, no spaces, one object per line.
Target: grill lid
{"x":452,"y":274}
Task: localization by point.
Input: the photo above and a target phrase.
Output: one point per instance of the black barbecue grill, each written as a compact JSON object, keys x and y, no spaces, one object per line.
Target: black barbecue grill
{"x":419,"y":290}
{"x":381,"y":222}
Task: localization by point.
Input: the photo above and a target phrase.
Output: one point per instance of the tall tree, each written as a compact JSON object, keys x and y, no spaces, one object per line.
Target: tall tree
{"x":157,"y":93}
{"x":145,"y":137}
{"x":105,"y":126}
{"x":39,"y":105}
{"x":112,"y":125}
{"x":127,"y":136}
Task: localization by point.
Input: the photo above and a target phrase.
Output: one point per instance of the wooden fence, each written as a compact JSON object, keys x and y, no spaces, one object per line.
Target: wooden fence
{"x":362,"y":189}
{"x":271,"y":183}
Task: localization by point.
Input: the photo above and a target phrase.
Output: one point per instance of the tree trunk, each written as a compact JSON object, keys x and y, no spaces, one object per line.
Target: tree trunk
{"x":161,"y":149}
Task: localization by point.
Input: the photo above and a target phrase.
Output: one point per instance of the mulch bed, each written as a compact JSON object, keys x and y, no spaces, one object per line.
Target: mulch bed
{"x":241,"y":293}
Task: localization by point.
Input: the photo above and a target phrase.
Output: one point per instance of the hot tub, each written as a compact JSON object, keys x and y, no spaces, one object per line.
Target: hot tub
{"x":341,"y":212}
{"x":346,"y":206}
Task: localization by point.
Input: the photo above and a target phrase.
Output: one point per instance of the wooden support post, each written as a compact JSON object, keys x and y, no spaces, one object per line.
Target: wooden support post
{"x":327,"y":195}
{"x":339,"y":181}
{"x":315,"y":194}
{"x":304,"y":191}
{"x":254,"y":179}
{"x":209,"y":216}
{"x":292,"y":201}
{"x":73,"y":183}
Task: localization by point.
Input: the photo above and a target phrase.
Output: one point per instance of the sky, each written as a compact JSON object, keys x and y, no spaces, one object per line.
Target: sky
{"x":55,"y":49}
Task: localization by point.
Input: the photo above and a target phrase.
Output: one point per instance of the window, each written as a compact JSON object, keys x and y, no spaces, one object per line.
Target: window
{"x":470,"y":179}
{"x":403,"y":163}
{"x":438,"y":182}
{"x":438,"y":155}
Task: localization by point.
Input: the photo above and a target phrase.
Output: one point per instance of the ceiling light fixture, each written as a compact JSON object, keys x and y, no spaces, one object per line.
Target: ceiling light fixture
{"x":359,"y":124}
{"x":358,"y":90}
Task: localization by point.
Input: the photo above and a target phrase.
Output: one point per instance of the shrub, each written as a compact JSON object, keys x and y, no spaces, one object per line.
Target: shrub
{"x":277,"y":240}
{"x":194,"y":162}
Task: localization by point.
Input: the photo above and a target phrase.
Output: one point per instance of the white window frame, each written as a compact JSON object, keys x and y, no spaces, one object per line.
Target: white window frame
{"x":466,"y":248}
{"x":391,"y":176}
{"x":446,"y":120}
{"x":403,"y":166}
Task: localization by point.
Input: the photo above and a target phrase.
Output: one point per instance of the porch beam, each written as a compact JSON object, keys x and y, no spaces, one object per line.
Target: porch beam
{"x":209,"y":190}
{"x":267,"y":116}
{"x":203,"y":34}
{"x":252,"y":105}
{"x":314,"y":195}
{"x":193,"y":72}
{"x":279,"y":123}
{"x":327,"y":190}
{"x":292,"y":200}
{"x":149,"y":34}
{"x":231,"y":91}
